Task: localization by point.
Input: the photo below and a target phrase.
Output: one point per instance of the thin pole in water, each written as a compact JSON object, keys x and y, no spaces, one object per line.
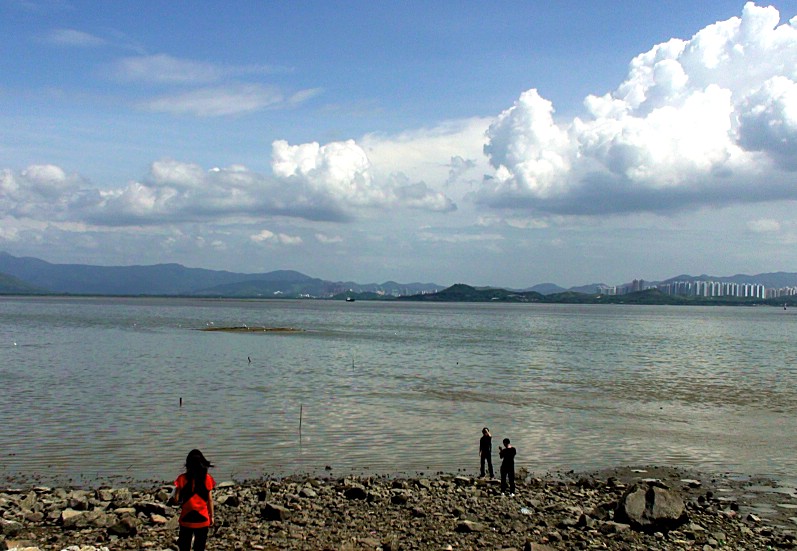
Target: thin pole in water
{"x":301,"y":412}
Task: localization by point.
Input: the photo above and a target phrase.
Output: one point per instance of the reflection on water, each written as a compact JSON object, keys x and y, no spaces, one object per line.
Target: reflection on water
{"x":92,"y":387}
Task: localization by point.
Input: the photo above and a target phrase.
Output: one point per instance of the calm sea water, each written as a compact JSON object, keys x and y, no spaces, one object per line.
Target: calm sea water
{"x":91,"y":388}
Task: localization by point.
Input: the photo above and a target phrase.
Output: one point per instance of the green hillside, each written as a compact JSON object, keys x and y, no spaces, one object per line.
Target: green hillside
{"x":465,"y":293}
{"x":10,"y":285}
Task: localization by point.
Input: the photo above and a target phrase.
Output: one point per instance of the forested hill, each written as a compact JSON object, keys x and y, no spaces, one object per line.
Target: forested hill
{"x":466,"y":293}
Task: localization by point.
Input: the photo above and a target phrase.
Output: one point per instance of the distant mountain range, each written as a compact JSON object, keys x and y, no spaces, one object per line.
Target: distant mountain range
{"x":26,"y":275}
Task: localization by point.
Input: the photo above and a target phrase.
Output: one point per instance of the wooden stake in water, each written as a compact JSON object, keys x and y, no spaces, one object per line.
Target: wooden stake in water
{"x":301,"y":411}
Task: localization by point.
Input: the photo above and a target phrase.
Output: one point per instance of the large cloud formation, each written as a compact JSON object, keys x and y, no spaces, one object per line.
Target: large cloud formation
{"x":704,"y":121}
{"x":712,"y":119}
{"x":333,"y":183}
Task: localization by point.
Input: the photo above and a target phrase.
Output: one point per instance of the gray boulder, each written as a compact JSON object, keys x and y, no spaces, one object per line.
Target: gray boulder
{"x":651,"y":508}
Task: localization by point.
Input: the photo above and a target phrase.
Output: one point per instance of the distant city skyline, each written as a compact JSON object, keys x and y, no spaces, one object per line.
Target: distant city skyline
{"x":700,"y":287}
{"x":492,"y":143}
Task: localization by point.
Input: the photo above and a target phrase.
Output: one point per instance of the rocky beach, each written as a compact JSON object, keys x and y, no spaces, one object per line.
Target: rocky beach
{"x":645,"y":508}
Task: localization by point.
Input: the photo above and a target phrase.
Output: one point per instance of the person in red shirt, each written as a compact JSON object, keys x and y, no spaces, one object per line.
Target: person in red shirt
{"x":192,"y":490}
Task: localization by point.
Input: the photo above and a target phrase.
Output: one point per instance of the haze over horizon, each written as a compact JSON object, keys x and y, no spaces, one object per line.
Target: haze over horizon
{"x":504,"y":145}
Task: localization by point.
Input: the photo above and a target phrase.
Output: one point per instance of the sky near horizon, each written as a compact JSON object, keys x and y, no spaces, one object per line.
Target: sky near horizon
{"x":488,"y":143}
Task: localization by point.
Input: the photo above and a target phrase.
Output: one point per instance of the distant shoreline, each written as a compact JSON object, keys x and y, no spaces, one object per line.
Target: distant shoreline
{"x":465,"y":294}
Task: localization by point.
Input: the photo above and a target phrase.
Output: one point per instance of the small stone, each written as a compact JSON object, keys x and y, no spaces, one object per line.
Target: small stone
{"x":230,"y":501}
{"x":9,"y":527}
{"x":612,"y":527}
{"x":19,"y":545}
{"x":71,"y":518}
{"x":125,"y":528}
{"x":719,"y":536}
{"x":554,"y":537}
{"x":158,"y":519}
{"x":355,"y":492}
{"x":149,"y":508}
{"x":272,"y":511}
{"x":399,"y":499}
{"x":308,"y":493}
{"x":469,"y":526}
{"x":35,"y":518}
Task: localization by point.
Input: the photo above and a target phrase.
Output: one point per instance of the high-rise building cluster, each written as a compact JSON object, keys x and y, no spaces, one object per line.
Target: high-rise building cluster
{"x":702,"y":288}
{"x":782,"y":292}
{"x":633,"y":287}
{"x":714,"y":289}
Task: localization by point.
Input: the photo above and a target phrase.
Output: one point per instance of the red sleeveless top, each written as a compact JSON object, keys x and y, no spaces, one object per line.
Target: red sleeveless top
{"x":194,"y":513}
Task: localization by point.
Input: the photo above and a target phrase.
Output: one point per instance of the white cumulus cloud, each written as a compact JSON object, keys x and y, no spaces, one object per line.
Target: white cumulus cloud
{"x":708,"y":120}
{"x":343,"y":173}
{"x":175,"y":191}
{"x":42,"y":192}
{"x":267,"y":236}
{"x":310,"y":182}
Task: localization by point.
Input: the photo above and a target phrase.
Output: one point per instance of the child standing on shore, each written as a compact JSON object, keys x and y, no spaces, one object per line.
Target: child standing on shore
{"x":192,"y":490}
{"x":486,"y":451}
{"x":507,"y":455}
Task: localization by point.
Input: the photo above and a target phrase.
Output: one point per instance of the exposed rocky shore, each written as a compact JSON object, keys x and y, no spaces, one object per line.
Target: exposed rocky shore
{"x":621,"y":509}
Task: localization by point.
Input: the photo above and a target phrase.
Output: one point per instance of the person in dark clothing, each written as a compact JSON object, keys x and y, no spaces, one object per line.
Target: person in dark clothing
{"x":486,"y":451}
{"x":507,"y":455}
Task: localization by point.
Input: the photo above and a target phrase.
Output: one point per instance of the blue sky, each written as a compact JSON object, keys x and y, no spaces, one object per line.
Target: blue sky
{"x":486,"y":143}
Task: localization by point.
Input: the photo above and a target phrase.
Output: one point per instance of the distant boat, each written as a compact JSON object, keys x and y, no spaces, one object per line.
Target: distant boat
{"x":349,"y":299}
